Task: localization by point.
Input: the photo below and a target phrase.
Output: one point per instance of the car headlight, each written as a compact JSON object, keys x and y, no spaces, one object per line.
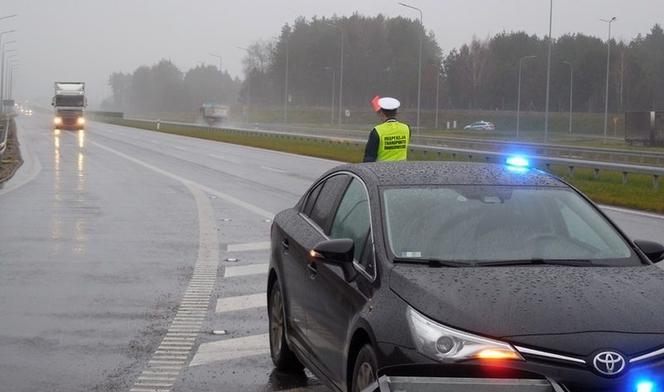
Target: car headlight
{"x":445,"y":344}
{"x":80,"y":121}
{"x":57,"y":120}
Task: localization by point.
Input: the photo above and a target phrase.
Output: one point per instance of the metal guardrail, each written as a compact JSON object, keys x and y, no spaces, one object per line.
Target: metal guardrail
{"x":456,"y":153}
{"x":607,"y":154}
{"x":4,"y":132}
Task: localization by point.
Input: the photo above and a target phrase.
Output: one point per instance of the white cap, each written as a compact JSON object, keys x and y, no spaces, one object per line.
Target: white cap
{"x":388,"y":103}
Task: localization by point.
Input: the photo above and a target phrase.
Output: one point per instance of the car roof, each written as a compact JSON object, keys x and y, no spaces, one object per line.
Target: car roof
{"x":448,"y":173}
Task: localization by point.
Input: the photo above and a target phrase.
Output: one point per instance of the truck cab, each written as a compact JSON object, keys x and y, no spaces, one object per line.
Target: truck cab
{"x":69,"y":104}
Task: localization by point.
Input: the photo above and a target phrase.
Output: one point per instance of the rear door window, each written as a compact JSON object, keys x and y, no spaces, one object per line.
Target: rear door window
{"x":326,"y":203}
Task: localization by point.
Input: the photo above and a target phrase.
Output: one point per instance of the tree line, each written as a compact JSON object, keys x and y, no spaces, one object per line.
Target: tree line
{"x":162,"y":87}
{"x":381,"y":57}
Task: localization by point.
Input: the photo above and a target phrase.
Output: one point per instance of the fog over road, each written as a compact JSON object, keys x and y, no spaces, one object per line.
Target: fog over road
{"x":105,"y":231}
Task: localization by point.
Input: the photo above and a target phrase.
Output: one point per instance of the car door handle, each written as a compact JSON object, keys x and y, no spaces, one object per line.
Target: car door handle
{"x":284,"y":244}
{"x":313,"y":270}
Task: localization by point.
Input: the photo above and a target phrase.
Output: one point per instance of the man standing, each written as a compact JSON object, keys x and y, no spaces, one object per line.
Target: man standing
{"x":389,"y":140}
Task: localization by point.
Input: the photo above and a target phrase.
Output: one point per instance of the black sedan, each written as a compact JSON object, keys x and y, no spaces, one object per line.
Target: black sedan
{"x":462,"y":271}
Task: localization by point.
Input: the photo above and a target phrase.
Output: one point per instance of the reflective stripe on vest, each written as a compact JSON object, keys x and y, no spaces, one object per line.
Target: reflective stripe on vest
{"x":394,"y":138}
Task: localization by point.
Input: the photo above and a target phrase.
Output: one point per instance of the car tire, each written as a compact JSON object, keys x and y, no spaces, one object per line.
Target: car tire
{"x":282,"y":357}
{"x":365,"y":369}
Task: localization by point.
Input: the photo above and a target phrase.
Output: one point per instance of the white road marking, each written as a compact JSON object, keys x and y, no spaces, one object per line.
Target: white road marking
{"x":632,"y":212}
{"x":244,"y":270}
{"x":27,"y":172}
{"x":231,"y":199}
{"x":272,"y":169}
{"x":250,"y":246}
{"x":207,"y":262}
{"x":241,"y":303}
{"x":224,"y":158}
{"x":225,"y":350}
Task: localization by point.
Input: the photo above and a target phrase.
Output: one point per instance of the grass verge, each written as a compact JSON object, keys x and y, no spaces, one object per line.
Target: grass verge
{"x":11,"y":160}
{"x":638,"y":193}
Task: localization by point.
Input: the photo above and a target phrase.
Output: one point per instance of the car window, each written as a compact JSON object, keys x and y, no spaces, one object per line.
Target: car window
{"x":326,"y":202}
{"x":311,"y":199}
{"x":494,"y":223}
{"x":352,"y":217}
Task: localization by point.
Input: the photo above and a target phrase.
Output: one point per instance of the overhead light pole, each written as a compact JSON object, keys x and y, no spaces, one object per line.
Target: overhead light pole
{"x":248,"y":84}
{"x":571,"y":93}
{"x":334,"y":90}
{"x":608,"y":69}
{"x":286,"y":81}
{"x":341,"y":68}
{"x":548,"y":75}
{"x":419,"y":71}
{"x":518,"y":94}
{"x":2,"y":63}
{"x":437,"y":95}
{"x":218,"y":56}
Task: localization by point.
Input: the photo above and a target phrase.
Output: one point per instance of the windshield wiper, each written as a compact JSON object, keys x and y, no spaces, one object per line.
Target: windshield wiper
{"x":431,"y":262}
{"x":537,"y":261}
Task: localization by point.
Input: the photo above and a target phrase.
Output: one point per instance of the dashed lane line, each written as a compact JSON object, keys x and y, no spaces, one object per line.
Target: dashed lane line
{"x":244,"y":270}
{"x":250,"y":246}
{"x":241,"y":303}
{"x":228,"y":349}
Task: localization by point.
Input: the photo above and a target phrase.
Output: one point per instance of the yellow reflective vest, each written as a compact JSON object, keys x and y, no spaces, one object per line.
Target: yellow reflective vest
{"x":394,"y":139}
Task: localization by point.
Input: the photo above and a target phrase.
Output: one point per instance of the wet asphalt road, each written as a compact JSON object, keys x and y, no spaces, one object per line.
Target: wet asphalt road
{"x":101,"y":232}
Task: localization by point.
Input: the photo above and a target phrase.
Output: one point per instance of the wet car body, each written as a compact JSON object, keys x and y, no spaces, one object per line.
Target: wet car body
{"x":480,"y":126}
{"x":556,"y":318}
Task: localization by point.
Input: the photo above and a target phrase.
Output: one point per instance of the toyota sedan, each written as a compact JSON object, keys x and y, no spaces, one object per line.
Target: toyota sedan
{"x":462,"y":271}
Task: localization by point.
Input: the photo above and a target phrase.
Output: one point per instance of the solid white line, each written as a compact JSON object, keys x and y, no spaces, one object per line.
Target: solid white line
{"x":244,"y":270}
{"x":632,"y":212}
{"x":231,"y":199}
{"x":241,"y":303}
{"x":272,"y":169}
{"x":224,"y":350}
{"x":27,"y":172}
{"x":207,"y":260}
{"x":250,"y":246}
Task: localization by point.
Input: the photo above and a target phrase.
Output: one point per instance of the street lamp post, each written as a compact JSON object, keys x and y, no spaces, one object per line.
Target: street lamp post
{"x":248,"y":85}
{"x":2,"y":61}
{"x":220,"y":61}
{"x":3,"y":76}
{"x":437,"y":96}
{"x":419,"y":72}
{"x":286,"y":82}
{"x":608,"y":68}
{"x":334,"y":90}
{"x":12,"y":61}
{"x":548,"y":75}
{"x":571,"y":93}
{"x":341,"y":69}
{"x":518,"y":95}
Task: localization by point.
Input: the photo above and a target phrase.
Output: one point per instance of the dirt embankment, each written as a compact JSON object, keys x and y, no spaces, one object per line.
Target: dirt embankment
{"x":11,"y":159}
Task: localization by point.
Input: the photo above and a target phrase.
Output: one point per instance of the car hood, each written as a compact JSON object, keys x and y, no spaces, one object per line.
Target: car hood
{"x":572,"y":309}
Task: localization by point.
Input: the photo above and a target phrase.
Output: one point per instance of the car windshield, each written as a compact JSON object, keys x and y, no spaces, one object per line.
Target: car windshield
{"x":485,"y":224}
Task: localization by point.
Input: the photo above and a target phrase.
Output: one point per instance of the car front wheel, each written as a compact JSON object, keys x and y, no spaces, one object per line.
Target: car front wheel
{"x":284,"y":359}
{"x":365,"y":369}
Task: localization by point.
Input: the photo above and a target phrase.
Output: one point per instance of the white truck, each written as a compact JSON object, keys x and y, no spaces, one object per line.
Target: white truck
{"x":214,"y":114}
{"x":69,"y":104}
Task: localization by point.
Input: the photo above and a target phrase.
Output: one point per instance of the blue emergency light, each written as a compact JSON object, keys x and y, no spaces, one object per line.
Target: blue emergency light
{"x":517,"y":161}
{"x":645,"y":386}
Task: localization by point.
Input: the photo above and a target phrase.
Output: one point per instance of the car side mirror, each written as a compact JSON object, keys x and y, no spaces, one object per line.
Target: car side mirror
{"x":339,"y":252}
{"x":654,"y":250}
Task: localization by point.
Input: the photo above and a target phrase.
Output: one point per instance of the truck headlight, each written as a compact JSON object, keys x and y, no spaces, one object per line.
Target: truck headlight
{"x":80,"y":121}
{"x":445,"y":344}
{"x":57,"y":120}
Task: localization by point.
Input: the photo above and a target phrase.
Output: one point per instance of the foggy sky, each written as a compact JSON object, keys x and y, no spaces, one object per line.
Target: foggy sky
{"x":86,"y":40}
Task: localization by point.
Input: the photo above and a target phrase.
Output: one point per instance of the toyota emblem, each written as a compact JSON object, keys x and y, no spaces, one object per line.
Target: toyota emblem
{"x":609,"y":363}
